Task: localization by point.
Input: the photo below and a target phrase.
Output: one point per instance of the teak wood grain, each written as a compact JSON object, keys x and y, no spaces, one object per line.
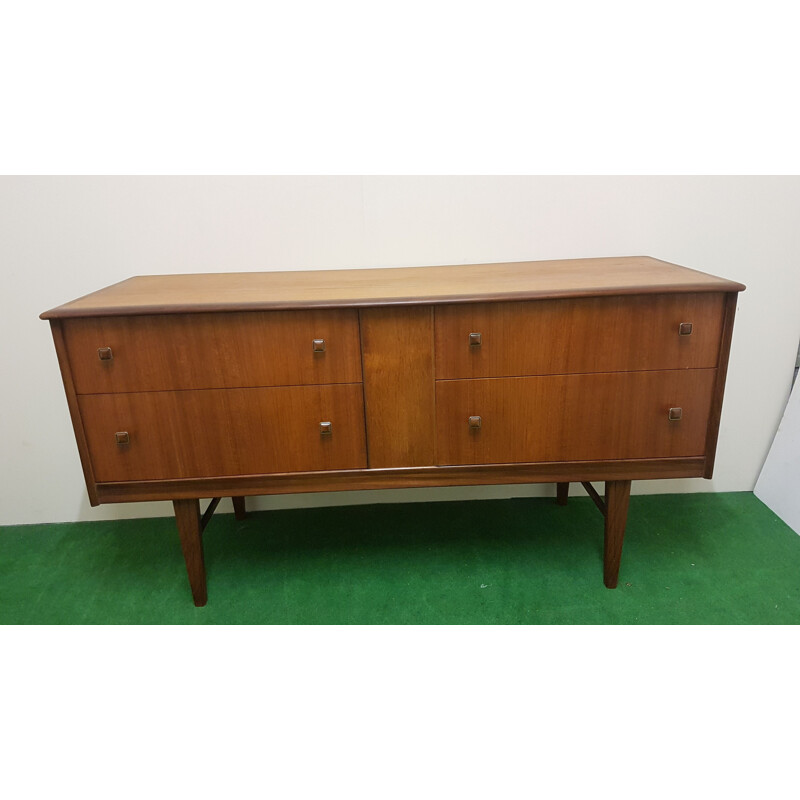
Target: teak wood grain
{"x":190,"y":531}
{"x":238,"y":291}
{"x":57,"y":331}
{"x":715,"y":413}
{"x":595,"y":416}
{"x":208,"y":351}
{"x":618,"y":495}
{"x":599,"y":334}
{"x":212,"y":432}
{"x":399,"y":386}
{"x":214,"y":388}
{"x":405,"y":477}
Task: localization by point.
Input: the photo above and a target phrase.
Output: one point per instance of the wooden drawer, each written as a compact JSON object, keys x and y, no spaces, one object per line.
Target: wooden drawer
{"x":573,"y":417}
{"x":216,"y":432}
{"x":206,"y":351}
{"x":599,"y":334}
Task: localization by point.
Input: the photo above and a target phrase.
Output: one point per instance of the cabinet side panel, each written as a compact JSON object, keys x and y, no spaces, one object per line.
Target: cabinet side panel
{"x":719,"y":386}
{"x":397,"y":351}
{"x":74,"y":411}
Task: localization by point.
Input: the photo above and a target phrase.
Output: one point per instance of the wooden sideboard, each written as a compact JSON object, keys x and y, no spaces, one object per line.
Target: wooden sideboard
{"x":184,"y":387}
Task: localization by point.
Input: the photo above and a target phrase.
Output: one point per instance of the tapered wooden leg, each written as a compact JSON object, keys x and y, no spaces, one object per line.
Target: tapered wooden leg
{"x":562,"y":492}
{"x":239,"y":510}
{"x":187,"y":515}
{"x":618,"y":495}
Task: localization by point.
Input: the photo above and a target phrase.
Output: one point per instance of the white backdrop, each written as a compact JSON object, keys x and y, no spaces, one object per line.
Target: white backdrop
{"x":62,"y":237}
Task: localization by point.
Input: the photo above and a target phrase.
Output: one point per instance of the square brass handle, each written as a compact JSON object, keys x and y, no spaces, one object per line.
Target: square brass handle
{"x":325,"y":429}
{"x":318,"y":345}
{"x":675,"y":414}
{"x":685,"y":329}
{"x":475,"y":340}
{"x":474,"y":422}
{"x":104,"y":353}
{"x":122,"y":437}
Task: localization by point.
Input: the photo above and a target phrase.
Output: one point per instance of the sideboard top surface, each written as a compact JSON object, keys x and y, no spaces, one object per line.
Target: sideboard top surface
{"x":523,"y":280}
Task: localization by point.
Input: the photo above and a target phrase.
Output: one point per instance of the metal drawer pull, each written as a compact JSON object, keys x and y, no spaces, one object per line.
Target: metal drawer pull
{"x":474,"y":422}
{"x":318,"y":345}
{"x":685,"y":329}
{"x":475,"y":340}
{"x":675,"y":414}
{"x":105,"y":354}
{"x":122,"y":437}
{"x":325,"y":429}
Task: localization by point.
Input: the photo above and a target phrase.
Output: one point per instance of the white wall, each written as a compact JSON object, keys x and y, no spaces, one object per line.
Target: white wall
{"x":63,"y":237}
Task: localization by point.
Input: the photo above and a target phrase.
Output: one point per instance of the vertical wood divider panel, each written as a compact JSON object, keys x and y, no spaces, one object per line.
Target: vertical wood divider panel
{"x":397,"y":352}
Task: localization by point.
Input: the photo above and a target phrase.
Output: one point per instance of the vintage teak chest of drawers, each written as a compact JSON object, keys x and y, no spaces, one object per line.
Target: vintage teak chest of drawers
{"x":184,"y":387}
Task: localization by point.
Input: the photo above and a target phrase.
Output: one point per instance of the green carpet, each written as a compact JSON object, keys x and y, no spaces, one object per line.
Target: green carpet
{"x":688,"y":559}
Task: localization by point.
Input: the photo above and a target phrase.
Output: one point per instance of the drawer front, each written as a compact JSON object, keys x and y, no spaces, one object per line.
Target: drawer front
{"x":573,"y":417}
{"x":599,"y":334}
{"x":216,"y":432}
{"x":207,"y":351}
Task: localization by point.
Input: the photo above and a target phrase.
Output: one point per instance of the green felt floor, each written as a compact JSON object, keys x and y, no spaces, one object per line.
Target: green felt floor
{"x":688,"y":559}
